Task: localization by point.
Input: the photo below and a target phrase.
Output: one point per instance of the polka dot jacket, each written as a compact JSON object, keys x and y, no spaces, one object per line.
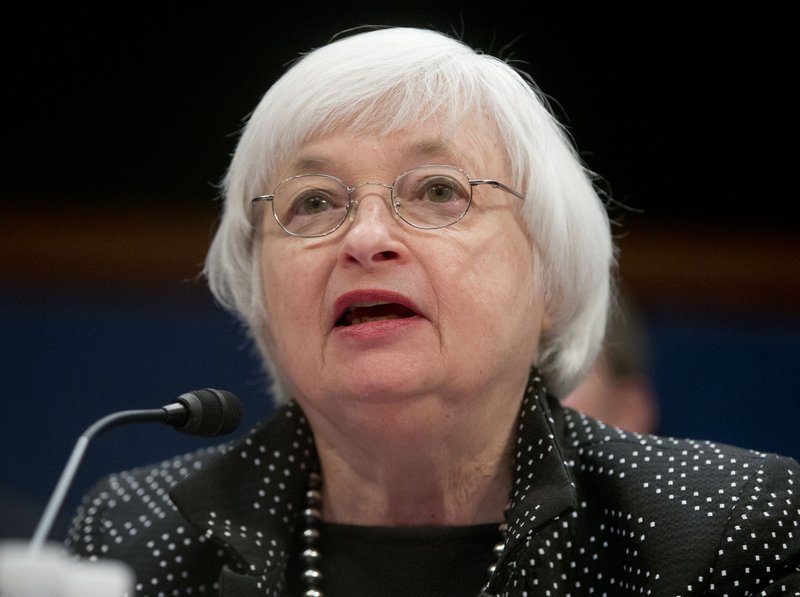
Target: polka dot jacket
{"x":594,"y":511}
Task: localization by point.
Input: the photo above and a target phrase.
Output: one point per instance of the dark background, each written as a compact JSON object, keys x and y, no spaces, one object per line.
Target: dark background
{"x":119,"y":124}
{"x":688,"y":112}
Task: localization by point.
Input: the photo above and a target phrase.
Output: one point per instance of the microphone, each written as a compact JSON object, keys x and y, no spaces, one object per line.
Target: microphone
{"x":207,"y":412}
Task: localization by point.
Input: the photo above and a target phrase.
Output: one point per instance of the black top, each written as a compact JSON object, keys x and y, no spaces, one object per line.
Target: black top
{"x":361,"y":561}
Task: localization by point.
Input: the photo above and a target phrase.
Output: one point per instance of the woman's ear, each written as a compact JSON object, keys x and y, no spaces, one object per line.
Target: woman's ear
{"x":547,"y":321}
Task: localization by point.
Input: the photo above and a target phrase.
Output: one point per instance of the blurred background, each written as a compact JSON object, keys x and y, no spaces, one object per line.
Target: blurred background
{"x":119,"y":126}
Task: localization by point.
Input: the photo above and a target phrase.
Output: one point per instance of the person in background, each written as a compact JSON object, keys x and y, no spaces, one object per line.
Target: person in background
{"x":618,"y":389}
{"x":425,"y":265}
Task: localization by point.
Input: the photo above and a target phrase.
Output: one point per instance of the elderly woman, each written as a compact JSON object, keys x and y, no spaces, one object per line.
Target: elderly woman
{"x":425,"y":266}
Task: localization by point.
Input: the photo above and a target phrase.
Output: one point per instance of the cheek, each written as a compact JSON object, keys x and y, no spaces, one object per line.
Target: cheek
{"x":491,"y":287}
{"x":292,"y":291}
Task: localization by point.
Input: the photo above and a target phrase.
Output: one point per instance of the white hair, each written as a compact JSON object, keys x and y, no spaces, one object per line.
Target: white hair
{"x":384,"y":80}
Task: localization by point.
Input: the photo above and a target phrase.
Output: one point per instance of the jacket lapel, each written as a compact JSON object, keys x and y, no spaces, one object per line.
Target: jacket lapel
{"x":543,"y":489}
{"x":250,"y":501}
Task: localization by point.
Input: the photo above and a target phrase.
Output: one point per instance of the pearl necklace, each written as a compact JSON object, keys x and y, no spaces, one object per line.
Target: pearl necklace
{"x":312,"y":577}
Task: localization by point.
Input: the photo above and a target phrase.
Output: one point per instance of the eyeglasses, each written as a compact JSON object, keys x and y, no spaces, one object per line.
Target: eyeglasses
{"x":426,"y":197}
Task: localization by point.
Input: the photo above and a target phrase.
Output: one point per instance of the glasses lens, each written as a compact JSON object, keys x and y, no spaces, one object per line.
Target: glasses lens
{"x":311,"y":205}
{"x":432,"y":196}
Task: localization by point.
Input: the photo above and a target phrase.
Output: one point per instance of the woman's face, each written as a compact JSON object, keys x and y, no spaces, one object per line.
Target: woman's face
{"x":449,"y":317}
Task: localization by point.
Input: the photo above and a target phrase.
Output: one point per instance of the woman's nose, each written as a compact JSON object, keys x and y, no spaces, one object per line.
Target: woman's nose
{"x":372,"y":233}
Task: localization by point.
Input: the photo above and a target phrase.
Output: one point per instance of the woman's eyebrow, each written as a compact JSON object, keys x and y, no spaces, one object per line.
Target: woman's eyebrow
{"x":310,"y":164}
{"x":431,"y":147}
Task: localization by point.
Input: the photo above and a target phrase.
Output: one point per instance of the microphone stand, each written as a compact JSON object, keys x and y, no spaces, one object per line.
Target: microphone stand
{"x":59,"y":493}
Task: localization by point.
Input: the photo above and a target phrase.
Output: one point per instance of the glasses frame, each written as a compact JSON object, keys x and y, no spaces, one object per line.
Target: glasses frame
{"x":473,"y":182}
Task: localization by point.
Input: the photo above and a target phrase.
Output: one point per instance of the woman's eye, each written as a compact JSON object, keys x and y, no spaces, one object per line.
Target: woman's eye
{"x":311,"y":203}
{"x":440,"y":192}
{"x":439,"y":189}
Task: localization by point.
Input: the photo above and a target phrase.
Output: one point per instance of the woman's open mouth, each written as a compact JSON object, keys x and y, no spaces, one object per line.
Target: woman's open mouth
{"x":366,"y":312}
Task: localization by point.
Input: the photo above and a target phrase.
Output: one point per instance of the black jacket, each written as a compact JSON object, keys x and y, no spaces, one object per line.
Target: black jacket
{"x":594,"y":511}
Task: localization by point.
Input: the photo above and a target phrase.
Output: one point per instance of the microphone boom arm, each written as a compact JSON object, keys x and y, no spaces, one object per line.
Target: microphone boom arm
{"x":207,"y":412}
{"x":95,"y":429}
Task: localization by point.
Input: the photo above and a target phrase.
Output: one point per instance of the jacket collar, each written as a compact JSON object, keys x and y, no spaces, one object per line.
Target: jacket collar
{"x":542,"y":488}
{"x":255,"y":512}
{"x":250,"y":499}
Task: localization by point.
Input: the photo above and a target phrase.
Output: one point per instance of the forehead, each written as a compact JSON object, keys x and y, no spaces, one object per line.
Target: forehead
{"x":474,"y":147}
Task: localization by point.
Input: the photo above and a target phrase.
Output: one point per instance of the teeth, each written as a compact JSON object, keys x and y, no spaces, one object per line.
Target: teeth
{"x":367,"y":304}
{"x":358,"y":320}
{"x":369,"y":311}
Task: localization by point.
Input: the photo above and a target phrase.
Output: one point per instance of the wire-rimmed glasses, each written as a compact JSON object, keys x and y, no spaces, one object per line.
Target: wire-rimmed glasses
{"x":425,"y":197}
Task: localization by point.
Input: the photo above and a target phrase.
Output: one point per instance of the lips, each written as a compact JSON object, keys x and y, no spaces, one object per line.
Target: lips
{"x":366,"y":306}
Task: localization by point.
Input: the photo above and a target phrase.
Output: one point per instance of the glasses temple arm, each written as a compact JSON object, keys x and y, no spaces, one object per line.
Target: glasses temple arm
{"x":497,"y":185}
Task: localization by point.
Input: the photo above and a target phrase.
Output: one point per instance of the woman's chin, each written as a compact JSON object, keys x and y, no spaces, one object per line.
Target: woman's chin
{"x":381,"y":376}
{"x":378,"y":389}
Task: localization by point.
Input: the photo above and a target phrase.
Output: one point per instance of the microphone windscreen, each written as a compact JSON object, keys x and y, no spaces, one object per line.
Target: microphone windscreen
{"x":211,"y":412}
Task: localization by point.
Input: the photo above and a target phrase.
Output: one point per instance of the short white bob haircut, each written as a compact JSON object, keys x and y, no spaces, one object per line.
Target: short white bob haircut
{"x":380,"y":80}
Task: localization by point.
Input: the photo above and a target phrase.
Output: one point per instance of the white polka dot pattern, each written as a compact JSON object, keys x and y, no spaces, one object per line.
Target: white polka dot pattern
{"x":130,"y":516}
{"x":594,"y":511}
